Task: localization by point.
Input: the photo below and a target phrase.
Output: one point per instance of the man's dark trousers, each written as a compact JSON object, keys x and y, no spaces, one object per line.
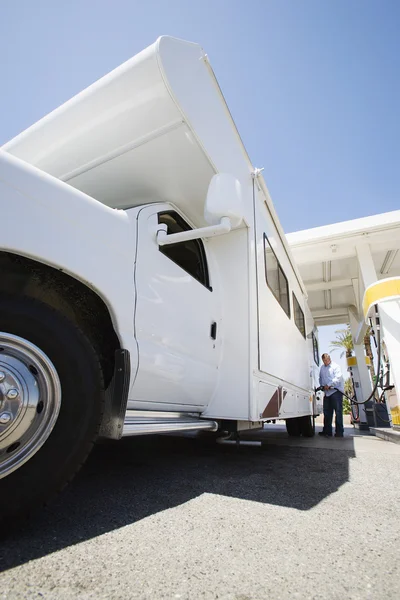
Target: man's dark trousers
{"x":334,"y":402}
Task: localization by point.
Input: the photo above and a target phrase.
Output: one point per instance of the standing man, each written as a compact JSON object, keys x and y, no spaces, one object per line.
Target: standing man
{"x":330,"y":377}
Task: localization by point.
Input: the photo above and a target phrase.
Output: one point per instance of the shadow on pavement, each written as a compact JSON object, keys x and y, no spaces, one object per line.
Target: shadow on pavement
{"x":126,"y":481}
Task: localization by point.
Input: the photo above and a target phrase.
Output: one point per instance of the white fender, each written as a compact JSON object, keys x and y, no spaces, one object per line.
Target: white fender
{"x":47,"y":220}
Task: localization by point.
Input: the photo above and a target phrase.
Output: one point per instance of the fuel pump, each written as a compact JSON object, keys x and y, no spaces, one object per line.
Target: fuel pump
{"x":385,"y":294}
{"x":358,"y":410}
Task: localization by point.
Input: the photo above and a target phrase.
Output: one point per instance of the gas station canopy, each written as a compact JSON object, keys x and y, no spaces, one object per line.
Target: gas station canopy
{"x":331,"y":260}
{"x":348,"y":269}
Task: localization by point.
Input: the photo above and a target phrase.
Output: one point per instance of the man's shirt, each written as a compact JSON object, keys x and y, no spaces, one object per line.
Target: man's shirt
{"x":331,"y":375}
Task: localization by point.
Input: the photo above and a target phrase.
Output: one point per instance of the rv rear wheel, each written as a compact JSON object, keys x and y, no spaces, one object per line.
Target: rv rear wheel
{"x":51,"y":403}
{"x":307,"y":426}
{"x":293,"y":427}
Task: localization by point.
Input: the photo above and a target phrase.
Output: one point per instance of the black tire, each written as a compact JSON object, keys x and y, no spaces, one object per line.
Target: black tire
{"x":307,"y":426}
{"x":293,"y":427}
{"x":82,"y":404}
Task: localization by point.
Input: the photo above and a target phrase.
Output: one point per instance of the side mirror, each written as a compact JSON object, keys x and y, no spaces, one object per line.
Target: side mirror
{"x":223,"y":211}
{"x":224,"y":199}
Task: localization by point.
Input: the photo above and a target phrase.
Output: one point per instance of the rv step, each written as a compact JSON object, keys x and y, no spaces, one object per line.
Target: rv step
{"x":148,"y":422}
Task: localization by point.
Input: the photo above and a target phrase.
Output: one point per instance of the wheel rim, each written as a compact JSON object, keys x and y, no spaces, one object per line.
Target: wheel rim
{"x":30,"y":400}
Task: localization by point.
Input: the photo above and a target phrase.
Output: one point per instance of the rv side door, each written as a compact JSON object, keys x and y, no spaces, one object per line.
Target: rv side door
{"x":176,"y":320}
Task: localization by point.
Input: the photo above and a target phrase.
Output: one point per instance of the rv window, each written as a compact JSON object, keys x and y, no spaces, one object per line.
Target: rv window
{"x":315,"y":349}
{"x":275,"y":277}
{"x":190,"y":255}
{"x":299,"y":316}
{"x":284,"y":291}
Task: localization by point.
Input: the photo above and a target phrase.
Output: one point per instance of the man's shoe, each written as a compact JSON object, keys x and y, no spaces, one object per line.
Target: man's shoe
{"x":338,"y":434}
{"x":324,"y":434}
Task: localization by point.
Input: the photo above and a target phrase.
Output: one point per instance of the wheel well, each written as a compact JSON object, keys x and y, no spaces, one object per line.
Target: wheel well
{"x":69,"y":296}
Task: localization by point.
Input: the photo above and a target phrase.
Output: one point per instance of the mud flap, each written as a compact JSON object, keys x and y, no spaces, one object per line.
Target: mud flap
{"x":117,"y":398}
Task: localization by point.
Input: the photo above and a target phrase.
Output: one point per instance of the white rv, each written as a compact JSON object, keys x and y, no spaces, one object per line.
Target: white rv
{"x":146,"y":283}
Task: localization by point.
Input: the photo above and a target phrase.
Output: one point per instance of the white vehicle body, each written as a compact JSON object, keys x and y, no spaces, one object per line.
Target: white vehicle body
{"x":82,"y":192}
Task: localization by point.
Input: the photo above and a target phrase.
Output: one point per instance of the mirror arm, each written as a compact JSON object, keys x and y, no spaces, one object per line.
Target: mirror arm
{"x":194,"y":234}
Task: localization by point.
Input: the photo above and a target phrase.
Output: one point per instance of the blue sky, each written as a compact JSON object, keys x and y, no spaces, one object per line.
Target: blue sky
{"x":313,"y":84}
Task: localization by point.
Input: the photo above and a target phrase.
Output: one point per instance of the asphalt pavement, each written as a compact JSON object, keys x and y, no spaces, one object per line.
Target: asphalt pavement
{"x":184,"y":517}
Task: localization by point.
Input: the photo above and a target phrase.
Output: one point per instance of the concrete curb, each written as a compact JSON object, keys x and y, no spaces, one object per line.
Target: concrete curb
{"x":387,"y":434}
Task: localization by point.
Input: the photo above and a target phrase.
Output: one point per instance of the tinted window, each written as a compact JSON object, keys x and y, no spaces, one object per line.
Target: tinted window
{"x":315,"y":349}
{"x":299,"y":317}
{"x":190,"y":256}
{"x":276,"y":278}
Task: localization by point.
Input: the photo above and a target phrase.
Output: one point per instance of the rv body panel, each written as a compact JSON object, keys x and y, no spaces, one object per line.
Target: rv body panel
{"x":282,"y":345}
{"x":155,"y":131}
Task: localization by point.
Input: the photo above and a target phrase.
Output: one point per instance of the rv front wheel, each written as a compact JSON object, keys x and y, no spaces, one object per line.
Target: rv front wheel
{"x":51,"y":402}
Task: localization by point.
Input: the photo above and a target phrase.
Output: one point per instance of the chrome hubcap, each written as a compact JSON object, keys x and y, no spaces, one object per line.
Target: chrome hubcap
{"x":30,"y":400}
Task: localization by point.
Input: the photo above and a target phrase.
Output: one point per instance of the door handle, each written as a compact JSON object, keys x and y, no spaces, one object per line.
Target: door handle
{"x":213,"y":332}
